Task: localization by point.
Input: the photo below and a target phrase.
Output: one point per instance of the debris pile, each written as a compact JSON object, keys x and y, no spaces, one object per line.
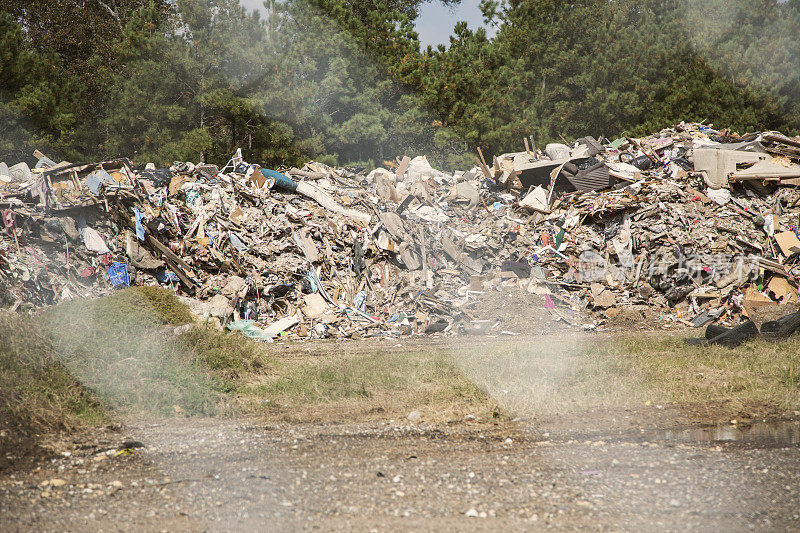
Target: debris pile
{"x":688,"y":226}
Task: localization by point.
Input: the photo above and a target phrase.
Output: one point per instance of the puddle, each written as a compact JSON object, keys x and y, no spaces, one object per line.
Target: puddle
{"x":767,"y":434}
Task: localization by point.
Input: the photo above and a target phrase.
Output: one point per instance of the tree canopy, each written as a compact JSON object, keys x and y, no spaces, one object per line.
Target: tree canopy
{"x":347,"y":82}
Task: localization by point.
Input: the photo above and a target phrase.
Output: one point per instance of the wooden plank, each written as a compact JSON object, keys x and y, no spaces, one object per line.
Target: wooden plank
{"x":482,"y":163}
{"x":166,"y":252}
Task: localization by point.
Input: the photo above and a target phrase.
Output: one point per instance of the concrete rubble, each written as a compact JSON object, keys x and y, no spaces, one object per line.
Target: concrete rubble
{"x":688,"y":226}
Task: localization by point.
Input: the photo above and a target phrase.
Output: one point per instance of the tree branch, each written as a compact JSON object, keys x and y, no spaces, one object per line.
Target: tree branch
{"x":112,"y":12}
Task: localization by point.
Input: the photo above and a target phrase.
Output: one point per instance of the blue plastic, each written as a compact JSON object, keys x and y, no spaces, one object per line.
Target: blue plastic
{"x":165,"y":276}
{"x":139,"y":225}
{"x":281,"y":180}
{"x":118,"y":274}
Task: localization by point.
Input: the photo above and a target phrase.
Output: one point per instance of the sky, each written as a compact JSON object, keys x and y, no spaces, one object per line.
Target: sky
{"x":435,"y":22}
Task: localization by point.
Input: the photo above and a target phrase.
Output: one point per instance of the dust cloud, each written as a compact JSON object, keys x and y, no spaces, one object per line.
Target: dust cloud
{"x":134,"y":365}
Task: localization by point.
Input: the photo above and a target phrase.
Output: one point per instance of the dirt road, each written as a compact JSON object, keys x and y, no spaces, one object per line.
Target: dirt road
{"x":239,"y":475}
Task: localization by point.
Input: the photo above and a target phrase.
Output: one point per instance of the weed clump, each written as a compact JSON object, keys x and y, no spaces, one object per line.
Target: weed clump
{"x":230,"y":354}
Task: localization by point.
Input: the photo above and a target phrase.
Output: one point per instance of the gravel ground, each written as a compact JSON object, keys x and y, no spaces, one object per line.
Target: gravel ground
{"x":239,"y":475}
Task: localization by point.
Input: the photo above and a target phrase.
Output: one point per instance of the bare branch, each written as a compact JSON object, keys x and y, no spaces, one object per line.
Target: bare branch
{"x":112,"y":12}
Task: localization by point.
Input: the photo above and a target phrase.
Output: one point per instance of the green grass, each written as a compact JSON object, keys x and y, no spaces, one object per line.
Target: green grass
{"x":131,"y":307}
{"x":117,"y":346}
{"x":230,"y":355}
{"x":574,"y":375}
{"x":550,"y":376}
{"x":338,"y":384}
{"x":83,"y":359}
{"x":83,"y":362}
{"x":758,"y":372}
{"x":37,"y":393}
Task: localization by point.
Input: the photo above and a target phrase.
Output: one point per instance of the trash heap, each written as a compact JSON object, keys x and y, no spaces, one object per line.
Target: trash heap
{"x":685,"y":227}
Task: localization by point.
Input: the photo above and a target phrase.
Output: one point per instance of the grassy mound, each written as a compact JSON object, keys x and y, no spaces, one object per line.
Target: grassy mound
{"x":38,"y":395}
{"x":122,"y":347}
{"x":83,"y":361}
{"x":134,"y":307}
{"x":228,"y":355}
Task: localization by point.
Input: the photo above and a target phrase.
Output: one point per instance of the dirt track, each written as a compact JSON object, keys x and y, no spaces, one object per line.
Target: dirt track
{"x":223,"y":475}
